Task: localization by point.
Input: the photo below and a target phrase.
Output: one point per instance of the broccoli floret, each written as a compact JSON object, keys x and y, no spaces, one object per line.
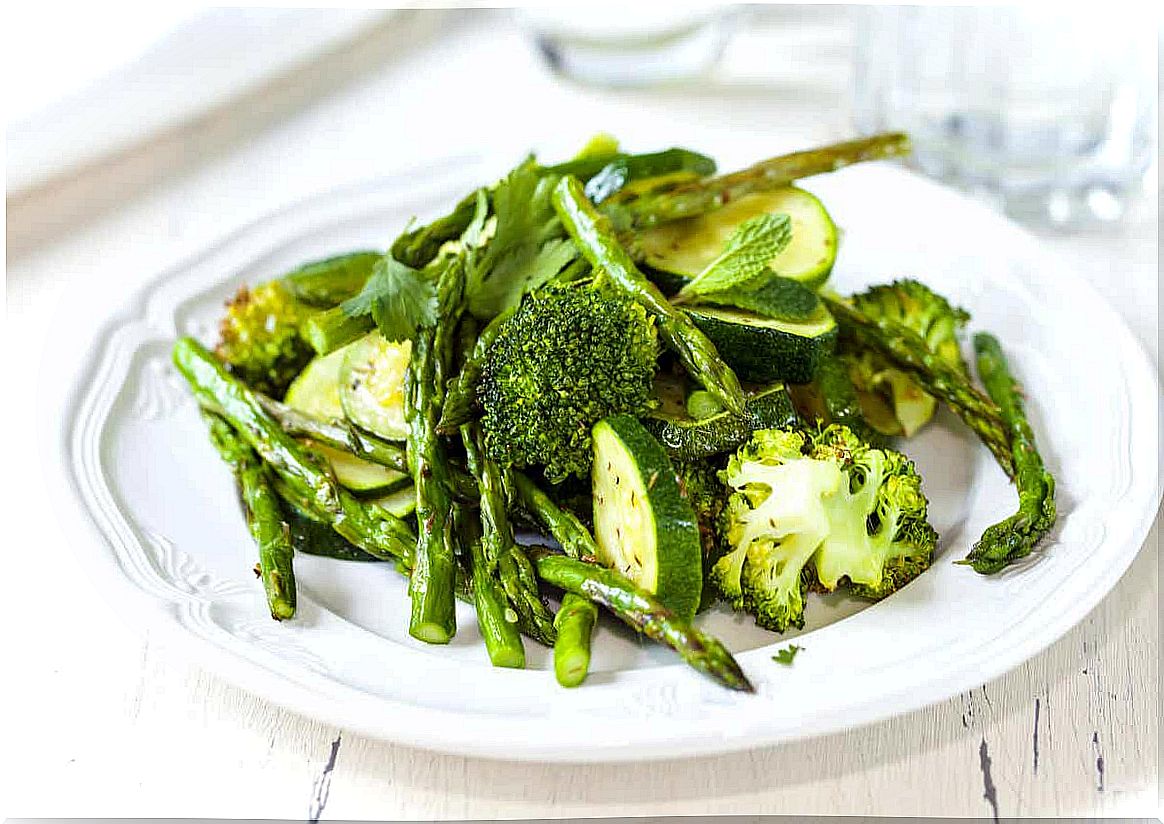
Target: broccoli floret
{"x":822,"y":509}
{"x":892,"y":401}
{"x":259,"y":337}
{"x":568,"y":357}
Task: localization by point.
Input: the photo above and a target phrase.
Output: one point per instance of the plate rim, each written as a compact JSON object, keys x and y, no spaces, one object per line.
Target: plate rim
{"x":299,"y":698}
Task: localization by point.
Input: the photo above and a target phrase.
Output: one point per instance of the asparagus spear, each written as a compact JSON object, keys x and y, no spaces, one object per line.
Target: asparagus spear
{"x":909,"y":352}
{"x":306,"y":521}
{"x":337,"y":434}
{"x":702,"y":196}
{"x":575,"y":624}
{"x":330,"y":329}
{"x":433,"y":618}
{"x":565,"y":528}
{"x":312,"y":535}
{"x":576,"y":617}
{"x":374,"y":531}
{"x":593,"y":234}
{"x":263,"y":515}
{"x":418,"y":247}
{"x":1014,"y":538}
{"x":462,"y":390}
{"x":640,"y":610}
{"x":517,"y":577}
{"x":496,"y":619}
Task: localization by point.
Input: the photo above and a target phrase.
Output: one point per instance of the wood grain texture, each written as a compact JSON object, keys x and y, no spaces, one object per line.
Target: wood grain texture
{"x":105,"y":720}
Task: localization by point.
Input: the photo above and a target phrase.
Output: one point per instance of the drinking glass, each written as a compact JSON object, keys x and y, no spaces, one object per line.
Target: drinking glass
{"x":1050,"y":114}
{"x":630,"y":44}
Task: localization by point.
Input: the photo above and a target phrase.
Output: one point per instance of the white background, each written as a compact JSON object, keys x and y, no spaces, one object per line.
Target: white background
{"x":99,"y":719}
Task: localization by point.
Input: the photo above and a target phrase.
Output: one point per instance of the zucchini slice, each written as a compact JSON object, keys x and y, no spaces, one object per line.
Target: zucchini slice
{"x":372,"y":385}
{"x":765,"y":350}
{"x":644,"y":526}
{"x":359,"y":475}
{"x":316,"y":391}
{"x":686,"y":439}
{"x":401,"y":502}
{"x":685,"y":247}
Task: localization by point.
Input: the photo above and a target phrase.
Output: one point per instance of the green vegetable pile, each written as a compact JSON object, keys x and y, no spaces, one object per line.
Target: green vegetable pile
{"x":638,"y":361}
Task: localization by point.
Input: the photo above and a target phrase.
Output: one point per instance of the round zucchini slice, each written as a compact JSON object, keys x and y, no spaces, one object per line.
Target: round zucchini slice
{"x":644,"y":526}
{"x":372,"y":385}
{"x":316,"y":391}
{"x":684,"y":248}
{"x":359,"y":475}
{"x":401,"y":502}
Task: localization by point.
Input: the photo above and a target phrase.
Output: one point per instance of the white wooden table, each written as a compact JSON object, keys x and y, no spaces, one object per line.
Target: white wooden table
{"x":100,"y":720}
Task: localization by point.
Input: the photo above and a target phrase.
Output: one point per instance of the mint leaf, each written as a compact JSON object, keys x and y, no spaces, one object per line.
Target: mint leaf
{"x":745,"y":256}
{"x":399,"y":299}
{"x":772,"y":296}
{"x":786,"y":655}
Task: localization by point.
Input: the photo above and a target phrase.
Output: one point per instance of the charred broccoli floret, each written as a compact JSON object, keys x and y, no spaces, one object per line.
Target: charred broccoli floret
{"x":892,"y":401}
{"x":259,"y":336}
{"x":823,"y":508}
{"x":568,"y":357}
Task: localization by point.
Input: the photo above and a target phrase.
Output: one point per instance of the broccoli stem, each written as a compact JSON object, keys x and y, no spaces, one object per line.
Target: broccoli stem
{"x":1005,"y":542}
{"x":433,"y":618}
{"x":594,"y":236}
{"x":264,"y":516}
{"x":372,"y":530}
{"x":641,"y":611}
{"x":575,"y":624}
{"x":910,"y":353}
{"x":703,"y":196}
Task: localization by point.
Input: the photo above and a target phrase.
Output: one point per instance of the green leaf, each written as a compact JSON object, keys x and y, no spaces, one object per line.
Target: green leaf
{"x":528,"y":247}
{"x":473,"y":236}
{"x":772,"y":296}
{"x":785,"y":656}
{"x":399,"y":298}
{"x":744,"y":258}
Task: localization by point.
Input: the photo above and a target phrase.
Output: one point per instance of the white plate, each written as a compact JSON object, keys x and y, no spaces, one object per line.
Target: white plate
{"x":165,"y":526}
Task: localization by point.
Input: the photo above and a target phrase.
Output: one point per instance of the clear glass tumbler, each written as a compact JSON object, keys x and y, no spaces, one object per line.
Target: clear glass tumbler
{"x":621,"y":44}
{"x":1052,"y":115}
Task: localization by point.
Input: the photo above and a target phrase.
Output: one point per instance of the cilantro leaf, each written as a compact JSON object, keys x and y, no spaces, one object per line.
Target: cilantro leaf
{"x":399,"y":299}
{"x":785,"y":656}
{"x":745,"y":256}
{"x":528,"y":246}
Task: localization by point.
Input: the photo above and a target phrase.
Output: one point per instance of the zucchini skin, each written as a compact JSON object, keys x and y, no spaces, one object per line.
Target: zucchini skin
{"x":686,"y":439}
{"x":833,"y":397}
{"x":675,"y":523}
{"x":764,"y":354}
